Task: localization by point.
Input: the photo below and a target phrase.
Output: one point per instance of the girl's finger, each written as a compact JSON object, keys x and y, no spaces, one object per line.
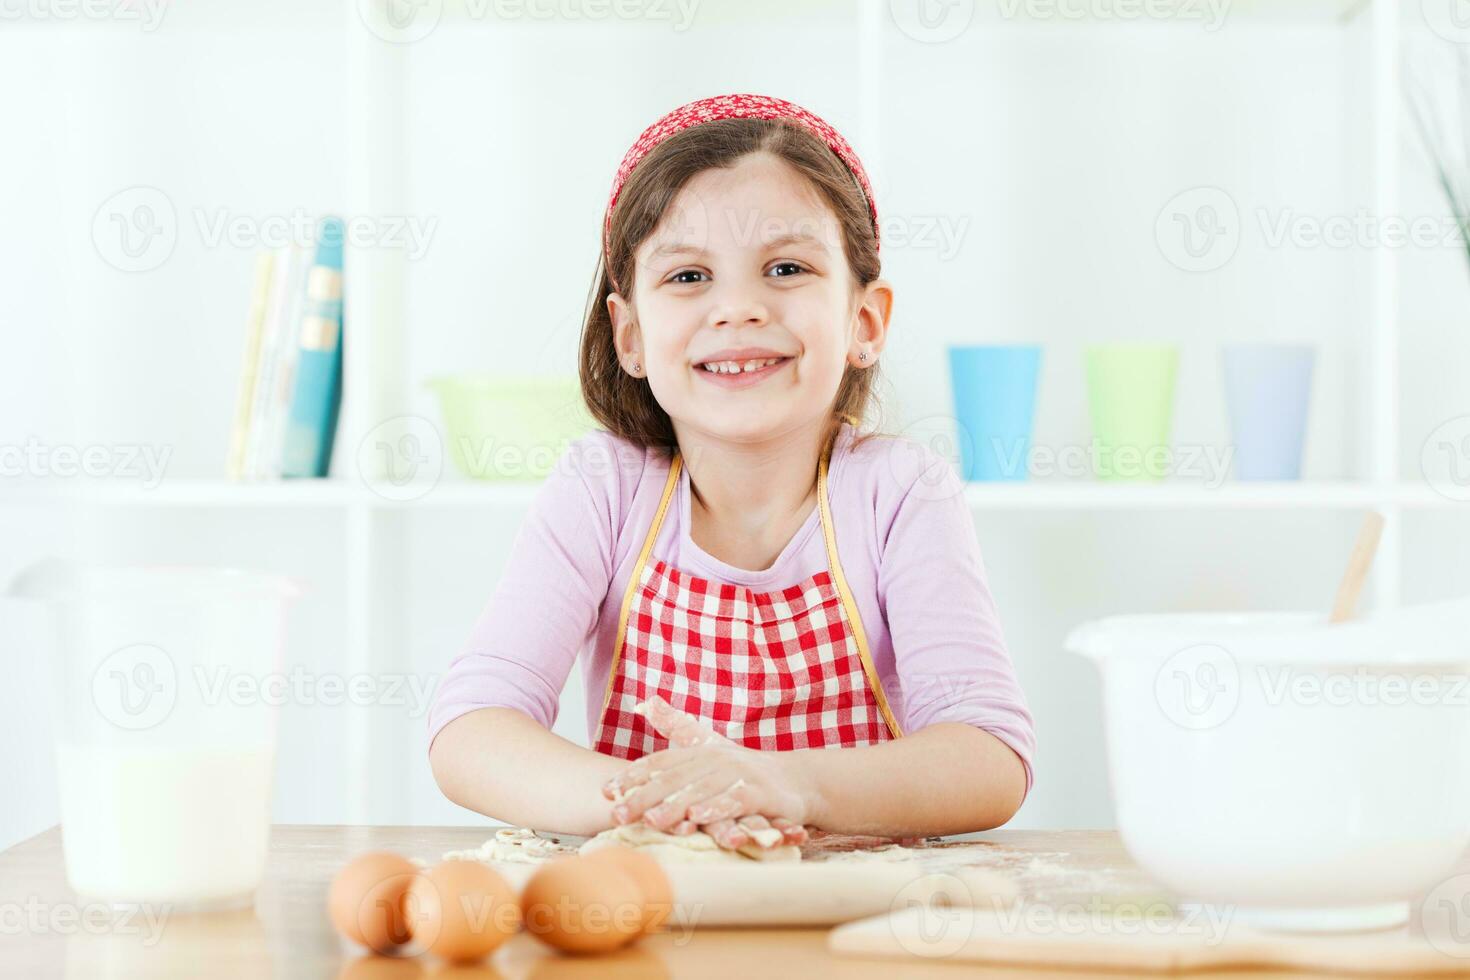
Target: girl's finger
{"x":761,"y":833}
{"x":637,"y":773}
{"x":684,"y":828}
{"x":670,"y":782}
{"x":727,"y":805}
{"x":683,"y":730}
{"x":727,"y":834}
{"x":678,"y":804}
{"x":794,"y":832}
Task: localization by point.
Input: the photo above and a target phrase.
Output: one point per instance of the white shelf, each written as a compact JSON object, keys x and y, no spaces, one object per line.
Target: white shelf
{"x":1081,"y":496}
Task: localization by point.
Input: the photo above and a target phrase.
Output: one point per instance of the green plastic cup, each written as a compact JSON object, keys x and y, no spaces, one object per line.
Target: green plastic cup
{"x":1130,"y":395}
{"x":509,"y":427}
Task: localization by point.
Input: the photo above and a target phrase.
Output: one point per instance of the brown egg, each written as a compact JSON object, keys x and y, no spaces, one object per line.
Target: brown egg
{"x":658,"y":893}
{"x":583,"y":906}
{"x":365,"y":902}
{"x":461,"y":910}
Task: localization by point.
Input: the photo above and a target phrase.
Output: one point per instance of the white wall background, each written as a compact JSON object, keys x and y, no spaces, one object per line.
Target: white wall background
{"x":1051,"y":147}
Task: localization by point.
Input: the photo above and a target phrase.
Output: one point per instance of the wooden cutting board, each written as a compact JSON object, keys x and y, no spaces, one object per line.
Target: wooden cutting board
{"x":984,"y":935}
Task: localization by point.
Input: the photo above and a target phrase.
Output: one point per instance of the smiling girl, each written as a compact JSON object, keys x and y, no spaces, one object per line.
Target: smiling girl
{"x":784,"y":621}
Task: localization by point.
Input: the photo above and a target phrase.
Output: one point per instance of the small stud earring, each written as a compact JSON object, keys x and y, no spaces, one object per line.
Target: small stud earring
{"x":863,"y":356}
{"x":637,"y":367}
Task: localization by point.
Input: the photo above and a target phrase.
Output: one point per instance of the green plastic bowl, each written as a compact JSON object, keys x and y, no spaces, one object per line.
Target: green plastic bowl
{"x":509,"y":428}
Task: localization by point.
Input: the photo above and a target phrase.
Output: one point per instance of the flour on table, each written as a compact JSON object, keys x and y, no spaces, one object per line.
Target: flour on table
{"x":515,"y":845}
{"x":687,"y":848}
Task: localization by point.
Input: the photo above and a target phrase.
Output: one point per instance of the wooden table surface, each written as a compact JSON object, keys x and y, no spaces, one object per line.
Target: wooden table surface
{"x":45,"y":932}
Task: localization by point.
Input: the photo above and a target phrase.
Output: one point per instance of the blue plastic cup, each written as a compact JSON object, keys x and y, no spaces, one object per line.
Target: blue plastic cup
{"x":1267,"y":390}
{"x":994,"y":403}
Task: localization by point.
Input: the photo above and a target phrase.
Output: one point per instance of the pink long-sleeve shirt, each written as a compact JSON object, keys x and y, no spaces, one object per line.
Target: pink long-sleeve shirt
{"x":905,"y":537}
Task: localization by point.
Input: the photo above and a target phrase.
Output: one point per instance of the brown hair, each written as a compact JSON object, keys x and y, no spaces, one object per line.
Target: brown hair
{"x":624,"y":404}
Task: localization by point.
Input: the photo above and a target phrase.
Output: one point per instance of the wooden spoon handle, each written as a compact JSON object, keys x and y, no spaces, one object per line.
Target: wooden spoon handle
{"x":1357,"y":569}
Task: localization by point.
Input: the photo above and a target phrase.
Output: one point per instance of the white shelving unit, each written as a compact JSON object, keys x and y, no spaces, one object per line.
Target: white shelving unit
{"x":378,"y":388}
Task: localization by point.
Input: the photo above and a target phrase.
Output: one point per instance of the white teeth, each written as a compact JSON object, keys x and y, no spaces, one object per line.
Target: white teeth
{"x":735,"y":367}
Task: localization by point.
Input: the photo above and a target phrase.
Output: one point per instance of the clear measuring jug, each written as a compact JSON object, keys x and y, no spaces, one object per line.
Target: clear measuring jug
{"x":165,"y":738}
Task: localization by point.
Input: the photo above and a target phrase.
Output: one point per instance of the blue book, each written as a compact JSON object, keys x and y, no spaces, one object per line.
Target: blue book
{"x":311,"y":424}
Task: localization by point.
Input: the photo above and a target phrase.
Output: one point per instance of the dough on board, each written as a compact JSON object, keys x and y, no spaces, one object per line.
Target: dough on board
{"x":686,"y":848}
{"x":514,"y":845}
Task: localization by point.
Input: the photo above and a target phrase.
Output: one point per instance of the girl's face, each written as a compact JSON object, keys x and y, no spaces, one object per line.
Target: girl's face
{"x":747,"y":266}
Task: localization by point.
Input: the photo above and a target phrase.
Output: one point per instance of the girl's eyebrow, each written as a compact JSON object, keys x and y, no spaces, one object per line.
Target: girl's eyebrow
{"x":778,"y":241}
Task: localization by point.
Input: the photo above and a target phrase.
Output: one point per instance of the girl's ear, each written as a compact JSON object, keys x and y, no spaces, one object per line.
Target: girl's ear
{"x":875,"y":307}
{"x":627,"y":338}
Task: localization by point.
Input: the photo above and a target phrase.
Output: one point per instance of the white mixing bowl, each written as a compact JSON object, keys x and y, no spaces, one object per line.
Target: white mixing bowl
{"x":1311,"y":776}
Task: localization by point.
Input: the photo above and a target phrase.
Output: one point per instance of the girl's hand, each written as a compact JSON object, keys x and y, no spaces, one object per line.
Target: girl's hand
{"x":705,"y":781}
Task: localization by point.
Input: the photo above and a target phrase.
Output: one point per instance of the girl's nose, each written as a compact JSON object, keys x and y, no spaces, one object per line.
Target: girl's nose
{"x":738,"y":307}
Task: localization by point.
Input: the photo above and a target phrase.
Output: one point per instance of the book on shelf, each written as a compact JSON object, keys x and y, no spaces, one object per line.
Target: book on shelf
{"x":291,"y":376}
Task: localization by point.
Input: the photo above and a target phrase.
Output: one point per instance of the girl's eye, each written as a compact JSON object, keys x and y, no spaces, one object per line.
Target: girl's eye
{"x":678,"y":276}
{"x":794,"y":267}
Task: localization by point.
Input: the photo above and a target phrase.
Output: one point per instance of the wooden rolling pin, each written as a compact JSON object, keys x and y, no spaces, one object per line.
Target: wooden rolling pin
{"x":806,"y":893}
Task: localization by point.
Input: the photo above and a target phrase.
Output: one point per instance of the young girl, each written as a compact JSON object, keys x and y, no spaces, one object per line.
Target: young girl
{"x":784,"y":622}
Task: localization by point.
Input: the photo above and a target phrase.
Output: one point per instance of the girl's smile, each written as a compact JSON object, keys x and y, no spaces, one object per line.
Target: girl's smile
{"x":737,"y":373}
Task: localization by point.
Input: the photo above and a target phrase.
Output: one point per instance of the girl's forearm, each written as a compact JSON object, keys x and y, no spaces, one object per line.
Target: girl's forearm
{"x":949,"y":778}
{"x":502,"y":763}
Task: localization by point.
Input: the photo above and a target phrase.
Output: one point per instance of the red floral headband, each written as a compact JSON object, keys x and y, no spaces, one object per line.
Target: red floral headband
{"x":735,"y":106}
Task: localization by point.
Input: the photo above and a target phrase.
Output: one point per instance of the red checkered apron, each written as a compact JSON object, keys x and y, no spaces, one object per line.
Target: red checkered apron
{"x":779,"y":670}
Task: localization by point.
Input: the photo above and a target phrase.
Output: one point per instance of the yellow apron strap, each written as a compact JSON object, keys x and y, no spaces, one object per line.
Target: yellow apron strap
{"x":634,"y":579}
{"x":854,"y":618}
